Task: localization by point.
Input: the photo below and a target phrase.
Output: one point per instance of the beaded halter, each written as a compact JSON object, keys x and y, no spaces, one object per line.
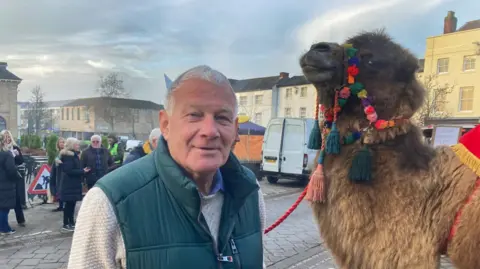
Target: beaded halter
{"x":328,"y":141}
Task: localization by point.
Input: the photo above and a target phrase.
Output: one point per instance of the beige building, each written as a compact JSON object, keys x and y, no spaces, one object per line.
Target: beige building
{"x":277,"y":96}
{"x":255,"y":97}
{"x":8,"y":99}
{"x":296,"y":98}
{"x":452,"y":58}
{"x":82,"y":118}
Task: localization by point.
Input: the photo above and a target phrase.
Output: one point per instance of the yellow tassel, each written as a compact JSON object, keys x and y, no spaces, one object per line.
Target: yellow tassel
{"x":467,"y":158}
{"x":316,"y":186}
{"x":362,"y":94}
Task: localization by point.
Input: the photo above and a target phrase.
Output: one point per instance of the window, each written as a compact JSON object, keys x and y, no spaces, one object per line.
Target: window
{"x":288,"y":112}
{"x":466,"y":99}
{"x":258,"y":99}
{"x":72,"y":114}
{"x":303,"y":112}
{"x":243,"y":100}
{"x":303,"y":92}
{"x":136,"y":115}
{"x":288,"y":93}
{"x":78,"y":113}
{"x":468,"y":63}
{"x":442,"y":65}
{"x":63,"y":113}
{"x":68,"y":114}
{"x":86,"y":115}
{"x":258,"y":118}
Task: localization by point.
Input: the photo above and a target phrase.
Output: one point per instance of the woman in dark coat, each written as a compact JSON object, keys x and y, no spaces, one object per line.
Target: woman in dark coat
{"x":71,"y":180}
{"x":20,"y":186}
{"x":55,"y":176}
{"x":8,"y":180}
{"x":98,"y":159}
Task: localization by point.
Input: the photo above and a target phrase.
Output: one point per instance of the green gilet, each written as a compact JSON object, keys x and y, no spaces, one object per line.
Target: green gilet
{"x":158,"y":210}
{"x":114,"y":152}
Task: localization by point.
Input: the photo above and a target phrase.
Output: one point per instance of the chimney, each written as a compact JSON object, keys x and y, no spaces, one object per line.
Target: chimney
{"x":283,"y":75}
{"x":450,"y":23}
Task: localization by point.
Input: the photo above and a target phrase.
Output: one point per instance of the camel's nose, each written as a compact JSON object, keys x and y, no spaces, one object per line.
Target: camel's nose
{"x":324,"y":47}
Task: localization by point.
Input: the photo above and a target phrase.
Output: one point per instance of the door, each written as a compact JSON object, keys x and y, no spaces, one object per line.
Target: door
{"x":293,"y":146}
{"x":271,"y":145}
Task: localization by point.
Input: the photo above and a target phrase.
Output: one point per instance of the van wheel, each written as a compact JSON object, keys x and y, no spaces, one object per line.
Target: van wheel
{"x":272,"y":180}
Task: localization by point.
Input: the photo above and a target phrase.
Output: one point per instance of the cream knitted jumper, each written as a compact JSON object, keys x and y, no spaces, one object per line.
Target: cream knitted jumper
{"x":98,"y":242}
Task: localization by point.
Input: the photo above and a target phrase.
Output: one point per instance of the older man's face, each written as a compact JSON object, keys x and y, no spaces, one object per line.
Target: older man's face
{"x":202,"y":126}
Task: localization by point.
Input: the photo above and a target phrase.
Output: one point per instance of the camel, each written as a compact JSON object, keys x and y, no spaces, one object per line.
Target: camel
{"x":382,"y":198}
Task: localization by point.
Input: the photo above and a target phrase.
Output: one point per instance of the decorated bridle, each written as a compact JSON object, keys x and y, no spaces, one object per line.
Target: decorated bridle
{"x":328,"y":140}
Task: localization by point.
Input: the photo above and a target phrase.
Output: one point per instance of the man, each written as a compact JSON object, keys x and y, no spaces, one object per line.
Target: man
{"x":98,"y":159}
{"x":115,"y":150}
{"x":146,"y":148}
{"x":190,"y":204}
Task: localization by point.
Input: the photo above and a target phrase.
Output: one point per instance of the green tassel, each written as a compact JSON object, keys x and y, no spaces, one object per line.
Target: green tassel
{"x":356,"y":88}
{"x":361,"y":169}
{"x":315,"y":139}
{"x":351,"y":52}
{"x":342,"y":102}
{"x":333,"y":141}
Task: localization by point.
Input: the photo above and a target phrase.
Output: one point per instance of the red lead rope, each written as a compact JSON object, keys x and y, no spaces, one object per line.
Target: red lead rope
{"x":289,"y":211}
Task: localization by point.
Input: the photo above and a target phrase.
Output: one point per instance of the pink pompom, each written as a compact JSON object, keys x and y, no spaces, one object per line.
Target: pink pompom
{"x":372,"y":117}
{"x":344,"y":93}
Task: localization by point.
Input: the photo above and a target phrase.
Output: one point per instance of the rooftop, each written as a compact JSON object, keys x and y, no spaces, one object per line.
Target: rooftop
{"x":7,"y":75}
{"x":115,"y":102}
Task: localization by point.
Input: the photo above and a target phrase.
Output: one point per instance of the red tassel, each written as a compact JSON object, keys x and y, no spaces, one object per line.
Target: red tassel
{"x":316,"y":186}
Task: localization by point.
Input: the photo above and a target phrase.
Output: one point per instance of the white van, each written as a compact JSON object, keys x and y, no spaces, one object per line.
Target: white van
{"x":284,"y":151}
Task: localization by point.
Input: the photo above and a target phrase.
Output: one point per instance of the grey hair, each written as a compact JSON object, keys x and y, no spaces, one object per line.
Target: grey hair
{"x":202,"y":72}
{"x":99,"y":138}
{"x":71,"y":142}
{"x":155,"y":133}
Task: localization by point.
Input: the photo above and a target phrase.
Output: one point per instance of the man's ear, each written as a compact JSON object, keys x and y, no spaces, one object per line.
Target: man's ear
{"x":163,"y":119}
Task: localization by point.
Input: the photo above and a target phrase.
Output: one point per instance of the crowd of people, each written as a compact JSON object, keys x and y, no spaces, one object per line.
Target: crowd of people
{"x":70,"y":171}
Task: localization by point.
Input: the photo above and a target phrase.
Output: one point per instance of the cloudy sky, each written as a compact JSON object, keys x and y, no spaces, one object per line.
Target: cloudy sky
{"x":64,"y":45}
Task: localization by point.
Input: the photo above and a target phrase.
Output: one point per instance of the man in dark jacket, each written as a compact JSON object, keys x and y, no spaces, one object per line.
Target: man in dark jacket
{"x":98,"y":159}
{"x":145,"y":149}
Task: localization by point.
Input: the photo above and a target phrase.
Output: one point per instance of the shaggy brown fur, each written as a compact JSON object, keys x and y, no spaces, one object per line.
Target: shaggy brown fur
{"x":401,"y":219}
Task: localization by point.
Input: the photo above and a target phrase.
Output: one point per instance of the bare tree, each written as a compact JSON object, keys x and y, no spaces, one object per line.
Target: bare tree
{"x":37,"y":111}
{"x":435,"y":100}
{"x":111,"y":86}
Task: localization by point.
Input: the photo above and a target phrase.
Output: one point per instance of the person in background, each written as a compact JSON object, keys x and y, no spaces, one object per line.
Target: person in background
{"x":98,"y":159}
{"x":71,"y":181}
{"x":55,"y":176}
{"x":146,"y":148}
{"x":11,"y":146}
{"x":190,"y":203}
{"x":115,"y":150}
{"x":8,"y":180}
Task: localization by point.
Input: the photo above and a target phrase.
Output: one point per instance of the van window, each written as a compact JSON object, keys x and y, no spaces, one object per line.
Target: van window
{"x":294,"y":137}
{"x":273,"y":136}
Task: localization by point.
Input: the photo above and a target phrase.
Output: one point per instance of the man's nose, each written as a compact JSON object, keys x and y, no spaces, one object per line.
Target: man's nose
{"x":209,"y":127}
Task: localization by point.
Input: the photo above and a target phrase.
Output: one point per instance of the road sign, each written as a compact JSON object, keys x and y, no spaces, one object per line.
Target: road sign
{"x":40,"y":184}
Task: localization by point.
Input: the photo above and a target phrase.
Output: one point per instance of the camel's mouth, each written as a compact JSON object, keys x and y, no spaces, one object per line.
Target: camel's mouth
{"x":323,"y":63}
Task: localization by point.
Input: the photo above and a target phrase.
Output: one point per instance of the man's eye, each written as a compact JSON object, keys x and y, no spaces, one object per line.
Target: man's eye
{"x":223,"y":118}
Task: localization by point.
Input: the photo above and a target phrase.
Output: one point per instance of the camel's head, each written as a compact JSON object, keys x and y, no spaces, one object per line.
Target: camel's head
{"x":386,"y":70}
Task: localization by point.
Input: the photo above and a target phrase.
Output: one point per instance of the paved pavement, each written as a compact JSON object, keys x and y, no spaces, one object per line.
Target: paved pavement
{"x":293,"y":244}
